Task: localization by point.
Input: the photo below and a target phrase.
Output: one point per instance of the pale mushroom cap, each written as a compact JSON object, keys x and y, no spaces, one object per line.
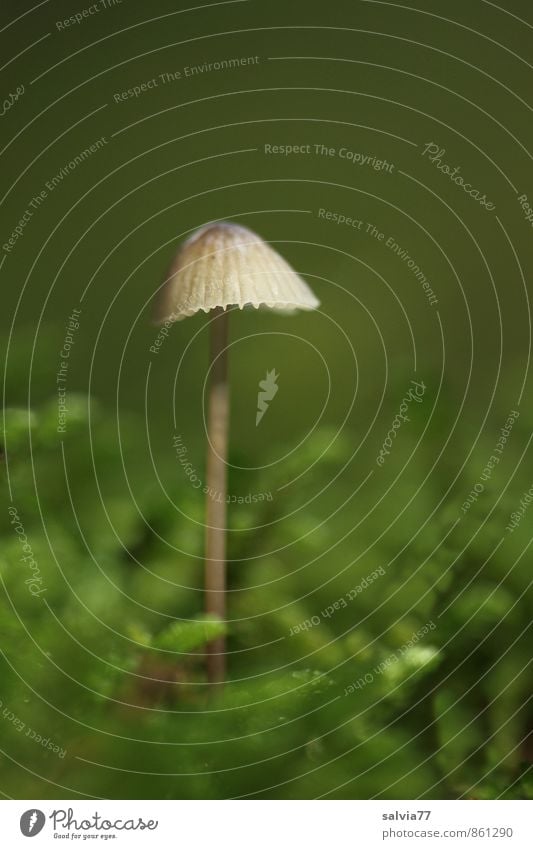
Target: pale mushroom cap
{"x":223,"y":265}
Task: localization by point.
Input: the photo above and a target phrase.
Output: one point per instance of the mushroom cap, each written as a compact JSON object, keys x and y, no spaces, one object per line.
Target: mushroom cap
{"x":223,"y":265}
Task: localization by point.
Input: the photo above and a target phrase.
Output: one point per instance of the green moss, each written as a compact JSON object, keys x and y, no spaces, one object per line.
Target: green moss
{"x":330,"y":693}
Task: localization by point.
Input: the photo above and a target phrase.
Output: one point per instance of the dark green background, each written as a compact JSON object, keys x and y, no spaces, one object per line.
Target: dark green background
{"x":136,"y":198}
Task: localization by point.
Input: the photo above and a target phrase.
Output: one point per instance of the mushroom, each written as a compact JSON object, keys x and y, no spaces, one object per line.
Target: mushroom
{"x":224,"y":265}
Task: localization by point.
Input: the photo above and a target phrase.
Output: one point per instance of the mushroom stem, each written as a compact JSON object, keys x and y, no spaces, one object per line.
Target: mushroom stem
{"x":217,"y":449}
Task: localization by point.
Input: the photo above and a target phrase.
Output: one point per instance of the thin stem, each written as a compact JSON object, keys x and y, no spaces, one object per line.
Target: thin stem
{"x":217,"y":449}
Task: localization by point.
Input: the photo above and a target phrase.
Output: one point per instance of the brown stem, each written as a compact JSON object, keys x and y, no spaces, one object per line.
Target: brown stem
{"x":217,"y":449}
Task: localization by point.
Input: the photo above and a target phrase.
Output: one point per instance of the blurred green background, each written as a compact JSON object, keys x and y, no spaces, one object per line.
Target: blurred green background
{"x":107,"y":508}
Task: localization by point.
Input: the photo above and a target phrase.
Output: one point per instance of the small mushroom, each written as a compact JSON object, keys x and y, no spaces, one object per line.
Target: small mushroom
{"x":224,"y":265}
